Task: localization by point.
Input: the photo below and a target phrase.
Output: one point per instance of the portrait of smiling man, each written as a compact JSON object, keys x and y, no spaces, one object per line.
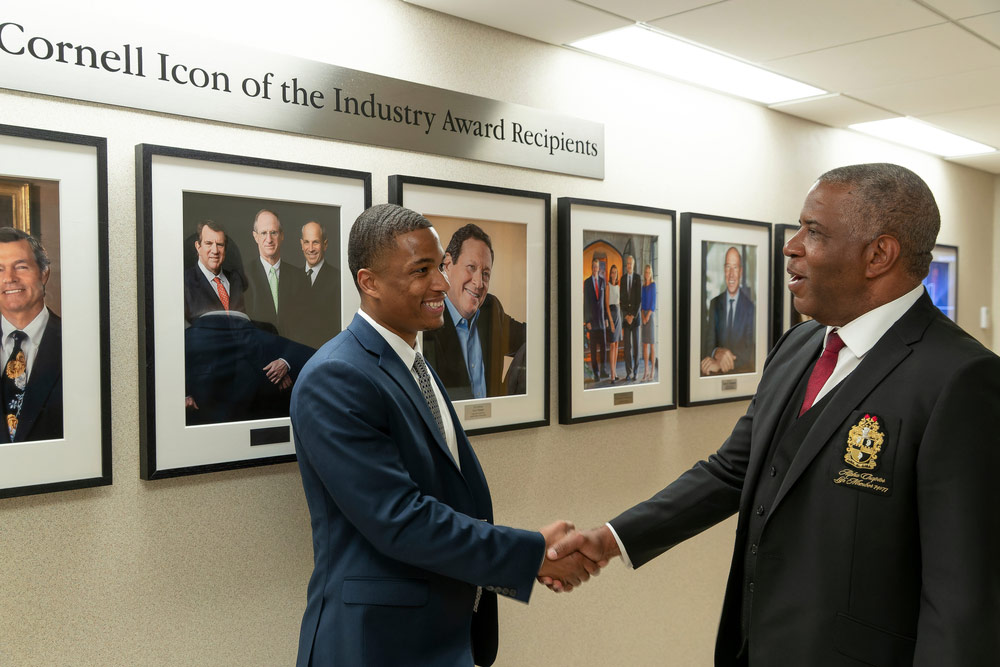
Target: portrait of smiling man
{"x":32,"y":342}
{"x":468,"y":352}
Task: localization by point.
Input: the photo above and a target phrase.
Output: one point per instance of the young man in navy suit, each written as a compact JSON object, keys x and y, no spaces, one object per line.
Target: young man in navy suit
{"x":408,"y":562}
{"x":864,"y":470}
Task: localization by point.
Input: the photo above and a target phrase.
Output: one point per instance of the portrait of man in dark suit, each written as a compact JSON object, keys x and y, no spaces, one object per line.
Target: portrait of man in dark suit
{"x":407,"y":560}
{"x":594,"y":318}
{"x":631,"y":300}
{"x":863,"y":473}
{"x":321,"y":315}
{"x":207,"y":286}
{"x":469,"y":351}
{"x":276,"y":288}
{"x":31,"y":346}
{"x":728,"y":331}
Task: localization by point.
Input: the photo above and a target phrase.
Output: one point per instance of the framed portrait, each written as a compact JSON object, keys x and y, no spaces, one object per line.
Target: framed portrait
{"x":241,"y":278}
{"x":55,"y":389}
{"x":941,"y":282}
{"x":616,"y":310}
{"x":492,"y":353}
{"x":785,"y":315}
{"x":725,"y":307}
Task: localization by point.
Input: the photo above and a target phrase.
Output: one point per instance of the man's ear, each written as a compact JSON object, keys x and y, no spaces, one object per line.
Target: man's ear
{"x":45,"y":276}
{"x":368,"y":283}
{"x":883,"y":255}
{"x":448,"y":260}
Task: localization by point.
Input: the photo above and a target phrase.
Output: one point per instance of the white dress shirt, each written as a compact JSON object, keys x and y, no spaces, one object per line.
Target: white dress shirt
{"x":34,"y":332}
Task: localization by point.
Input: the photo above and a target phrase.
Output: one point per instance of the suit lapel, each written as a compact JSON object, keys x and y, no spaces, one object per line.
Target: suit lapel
{"x":393,"y":366}
{"x":805,"y":344}
{"x":888,"y":352}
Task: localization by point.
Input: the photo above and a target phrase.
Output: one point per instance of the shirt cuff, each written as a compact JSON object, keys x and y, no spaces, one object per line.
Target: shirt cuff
{"x":621,"y":547}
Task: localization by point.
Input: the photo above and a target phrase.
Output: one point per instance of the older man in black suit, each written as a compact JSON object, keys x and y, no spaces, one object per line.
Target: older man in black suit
{"x":31,"y":344}
{"x":207,"y":286}
{"x":864,"y":470}
{"x":594,"y":318}
{"x":321,"y":316}
{"x":631,"y":300}
{"x":276,"y":288}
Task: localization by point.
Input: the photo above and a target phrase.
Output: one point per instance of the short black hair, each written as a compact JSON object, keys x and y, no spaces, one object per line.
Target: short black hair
{"x":463,"y":234}
{"x":890,"y":199}
{"x":214,"y":226}
{"x":11,"y":235}
{"x":375,"y":232}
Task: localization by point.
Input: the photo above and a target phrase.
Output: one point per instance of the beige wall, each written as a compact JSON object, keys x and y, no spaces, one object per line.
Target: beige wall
{"x":212,"y":569}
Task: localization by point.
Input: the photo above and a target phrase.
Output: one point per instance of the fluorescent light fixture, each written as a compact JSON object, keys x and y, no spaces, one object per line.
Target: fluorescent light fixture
{"x":643,"y":47}
{"x":915,"y":134}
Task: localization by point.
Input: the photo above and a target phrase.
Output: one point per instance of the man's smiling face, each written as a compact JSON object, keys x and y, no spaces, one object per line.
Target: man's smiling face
{"x":22,"y":284}
{"x":469,"y":275}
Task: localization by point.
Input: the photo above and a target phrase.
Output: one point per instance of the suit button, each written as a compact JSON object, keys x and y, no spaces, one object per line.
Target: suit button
{"x":760,"y":510}
{"x":750,"y":587}
{"x":773,"y":471}
{"x":753,"y":549}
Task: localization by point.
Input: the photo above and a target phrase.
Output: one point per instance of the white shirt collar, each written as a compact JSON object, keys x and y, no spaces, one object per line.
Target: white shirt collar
{"x":315,"y":269}
{"x":267,"y":266}
{"x":34,"y":330}
{"x":406,"y":353}
{"x":861,"y":334}
{"x":208,"y":274}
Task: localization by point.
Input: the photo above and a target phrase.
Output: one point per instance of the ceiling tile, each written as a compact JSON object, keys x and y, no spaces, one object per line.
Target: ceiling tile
{"x":835,"y":110}
{"x":648,"y":10}
{"x":910,"y":56}
{"x":960,"y":9}
{"x":989,"y":162}
{"x":758,"y":30}
{"x":934,"y":95}
{"x":553,"y":21}
{"x":978,"y":124}
{"x":987,"y":25}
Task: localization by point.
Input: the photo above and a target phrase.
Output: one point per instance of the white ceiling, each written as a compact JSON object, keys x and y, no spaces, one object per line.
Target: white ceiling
{"x":934,"y":60}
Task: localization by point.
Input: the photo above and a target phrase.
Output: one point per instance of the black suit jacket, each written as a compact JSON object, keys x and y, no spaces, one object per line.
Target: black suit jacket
{"x":41,"y":416}
{"x":741,"y":341}
{"x":322,"y":306}
{"x":200,"y":295}
{"x":224,"y":358}
{"x":902,"y":568}
{"x":631,"y":299}
{"x":500,"y":335}
{"x":594,"y":312}
{"x":292,"y":286}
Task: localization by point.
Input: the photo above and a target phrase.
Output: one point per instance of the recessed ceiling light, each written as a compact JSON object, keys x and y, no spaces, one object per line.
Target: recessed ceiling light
{"x":916,"y":134}
{"x":643,"y":47}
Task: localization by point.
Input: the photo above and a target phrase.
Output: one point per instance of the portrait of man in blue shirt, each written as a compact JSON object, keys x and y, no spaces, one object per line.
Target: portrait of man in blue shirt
{"x":468,"y":352}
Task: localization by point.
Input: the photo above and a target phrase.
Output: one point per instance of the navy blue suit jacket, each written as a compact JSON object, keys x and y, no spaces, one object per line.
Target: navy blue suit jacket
{"x":593,"y":304}
{"x":401,"y":536}
{"x":200,"y":295}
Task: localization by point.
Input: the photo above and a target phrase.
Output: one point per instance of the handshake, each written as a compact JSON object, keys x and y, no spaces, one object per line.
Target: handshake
{"x":572,"y":556}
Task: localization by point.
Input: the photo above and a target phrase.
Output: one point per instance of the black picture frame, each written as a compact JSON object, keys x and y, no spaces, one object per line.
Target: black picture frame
{"x":512,"y":214}
{"x":704,"y":245}
{"x":785,"y":316}
{"x":941,"y":281}
{"x":76,"y":168}
{"x":165,"y":177}
{"x":607,"y":232}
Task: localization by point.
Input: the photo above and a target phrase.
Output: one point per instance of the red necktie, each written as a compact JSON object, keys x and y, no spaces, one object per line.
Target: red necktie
{"x":822,"y":370}
{"x":223,"y":295}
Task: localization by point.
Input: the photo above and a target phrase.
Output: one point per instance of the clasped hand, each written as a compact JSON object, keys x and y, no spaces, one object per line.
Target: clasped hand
{"x":571,"y":557}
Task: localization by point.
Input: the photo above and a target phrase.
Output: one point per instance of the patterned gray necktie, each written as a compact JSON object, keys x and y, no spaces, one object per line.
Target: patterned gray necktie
{"x":424,"y":379}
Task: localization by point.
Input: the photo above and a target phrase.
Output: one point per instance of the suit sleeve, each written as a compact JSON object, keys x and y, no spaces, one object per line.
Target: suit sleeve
{"x":343,"y":424}
{"x":958,"y":501}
